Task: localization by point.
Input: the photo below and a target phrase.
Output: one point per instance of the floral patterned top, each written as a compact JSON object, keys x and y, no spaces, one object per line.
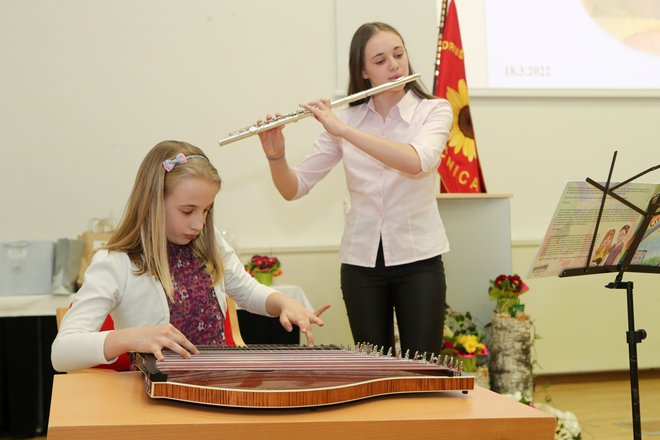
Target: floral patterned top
{"x":194,"y":310}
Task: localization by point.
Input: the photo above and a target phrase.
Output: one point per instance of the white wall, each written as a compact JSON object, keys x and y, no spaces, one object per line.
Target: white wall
{"x":87,"y":87}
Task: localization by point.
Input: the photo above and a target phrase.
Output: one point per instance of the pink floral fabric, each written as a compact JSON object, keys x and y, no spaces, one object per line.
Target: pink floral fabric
{"x":195,"y":310}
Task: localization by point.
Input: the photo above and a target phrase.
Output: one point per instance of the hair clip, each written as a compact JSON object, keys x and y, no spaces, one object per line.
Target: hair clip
{"x":169,"y":164}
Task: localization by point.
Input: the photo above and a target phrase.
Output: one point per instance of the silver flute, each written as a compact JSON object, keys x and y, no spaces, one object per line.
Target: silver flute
{"x":300,"y":114}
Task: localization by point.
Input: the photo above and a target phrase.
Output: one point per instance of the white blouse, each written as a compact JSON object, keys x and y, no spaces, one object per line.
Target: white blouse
{"x":401,"y":208}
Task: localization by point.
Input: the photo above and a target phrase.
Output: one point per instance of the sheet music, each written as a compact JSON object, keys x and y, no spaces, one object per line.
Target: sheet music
{"x":569,"y":236}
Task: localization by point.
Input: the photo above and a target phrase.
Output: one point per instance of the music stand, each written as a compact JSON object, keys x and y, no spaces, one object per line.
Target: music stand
{"x":633,"y":336}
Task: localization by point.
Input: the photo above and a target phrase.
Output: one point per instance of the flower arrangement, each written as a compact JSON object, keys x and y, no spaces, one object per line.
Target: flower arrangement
{"x":506,"y":290}
{"x":264,"y":268}
{"x":463,"y":340}
{"x":264,"y":264}
{"x":567,"y":427}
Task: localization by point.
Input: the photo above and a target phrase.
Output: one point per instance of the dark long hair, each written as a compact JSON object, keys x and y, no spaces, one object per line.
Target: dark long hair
{"x":357,"y":82}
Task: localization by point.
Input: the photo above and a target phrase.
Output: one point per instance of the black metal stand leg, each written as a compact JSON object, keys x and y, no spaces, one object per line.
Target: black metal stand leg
{"x":633,"y":337}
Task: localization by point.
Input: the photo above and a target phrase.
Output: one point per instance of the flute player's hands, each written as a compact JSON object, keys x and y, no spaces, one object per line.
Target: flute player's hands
{"x":322,"y":111}
{"x":272,"y":141}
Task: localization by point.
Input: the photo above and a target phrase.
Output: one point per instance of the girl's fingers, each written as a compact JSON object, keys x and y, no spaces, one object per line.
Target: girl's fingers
{"x":182,"y":344}
{"x":286,"y":323}
{"x":310,"y":338}
{"x":318,"y":312}
{"x":190,"y":347}
{"x":316,"y":320}
{"x":178,"y":349}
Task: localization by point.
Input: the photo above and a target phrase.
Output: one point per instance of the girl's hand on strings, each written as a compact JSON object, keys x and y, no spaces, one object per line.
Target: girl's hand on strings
{"x":152,"y":339}
{"x":291,"y":313}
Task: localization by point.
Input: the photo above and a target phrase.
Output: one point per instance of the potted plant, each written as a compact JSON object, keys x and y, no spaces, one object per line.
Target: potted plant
{"x":506,"y":291}
{"x":264,"y":268}
{"x":463,"y":340}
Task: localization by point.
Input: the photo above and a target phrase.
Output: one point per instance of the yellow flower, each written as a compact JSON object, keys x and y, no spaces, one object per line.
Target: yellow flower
{"x":461,"y":136}
{"x":469,"y":342}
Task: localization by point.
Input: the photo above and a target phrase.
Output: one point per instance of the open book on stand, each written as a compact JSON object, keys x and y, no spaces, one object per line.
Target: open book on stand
{"x":569,"y":237}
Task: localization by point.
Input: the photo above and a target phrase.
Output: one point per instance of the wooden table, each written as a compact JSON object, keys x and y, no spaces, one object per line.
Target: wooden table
{"x":111,"y":405}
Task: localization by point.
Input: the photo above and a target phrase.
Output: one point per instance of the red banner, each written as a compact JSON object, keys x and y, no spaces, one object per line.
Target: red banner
{"x":460,"y":171}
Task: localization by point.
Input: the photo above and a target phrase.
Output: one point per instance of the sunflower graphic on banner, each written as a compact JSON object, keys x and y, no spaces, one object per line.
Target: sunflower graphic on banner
{"x":460,"y":171}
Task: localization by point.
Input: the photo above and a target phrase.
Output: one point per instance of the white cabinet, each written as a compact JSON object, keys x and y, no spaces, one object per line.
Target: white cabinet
{"x":479,"y":230}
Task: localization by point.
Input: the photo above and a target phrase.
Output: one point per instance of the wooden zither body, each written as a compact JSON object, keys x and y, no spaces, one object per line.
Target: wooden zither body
{"x":291,"y":376}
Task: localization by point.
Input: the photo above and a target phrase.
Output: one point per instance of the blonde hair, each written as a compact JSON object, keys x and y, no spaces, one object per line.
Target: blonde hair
{"x":142,"y":234}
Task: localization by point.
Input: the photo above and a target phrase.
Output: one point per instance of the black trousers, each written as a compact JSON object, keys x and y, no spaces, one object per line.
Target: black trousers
{"x":415,"y":292}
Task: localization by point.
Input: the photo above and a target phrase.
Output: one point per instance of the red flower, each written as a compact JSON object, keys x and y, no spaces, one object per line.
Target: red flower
{"x":500,"y":279}
{"x":507,"y":285}
{"x":264,"y":264}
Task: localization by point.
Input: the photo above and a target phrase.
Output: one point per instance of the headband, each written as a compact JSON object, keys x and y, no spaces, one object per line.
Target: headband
{"x":180,"y":158}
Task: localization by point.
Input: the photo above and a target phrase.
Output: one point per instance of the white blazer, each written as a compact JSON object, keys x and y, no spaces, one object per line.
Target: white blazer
{"x":111,"y":287}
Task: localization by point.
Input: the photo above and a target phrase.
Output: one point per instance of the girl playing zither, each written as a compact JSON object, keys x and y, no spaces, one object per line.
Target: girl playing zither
{"x":164,"y":274}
